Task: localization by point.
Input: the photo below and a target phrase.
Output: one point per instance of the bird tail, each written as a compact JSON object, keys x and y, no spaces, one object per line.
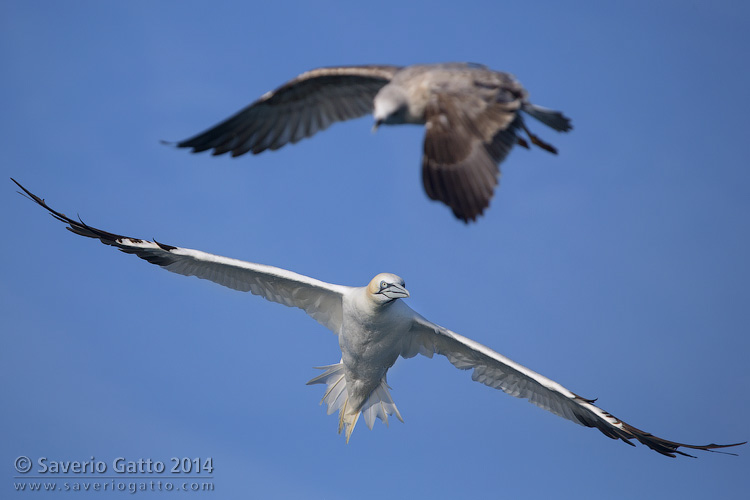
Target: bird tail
{"x":549,"y":117}
{"x":378,"y":405}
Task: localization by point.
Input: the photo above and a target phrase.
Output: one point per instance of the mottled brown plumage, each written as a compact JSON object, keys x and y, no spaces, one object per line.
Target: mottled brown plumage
{"x":472,"y":117}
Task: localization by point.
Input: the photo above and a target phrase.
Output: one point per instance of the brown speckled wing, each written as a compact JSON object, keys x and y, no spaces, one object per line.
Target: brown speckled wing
{"x":465,"y":141}
{"x":300,"y":108}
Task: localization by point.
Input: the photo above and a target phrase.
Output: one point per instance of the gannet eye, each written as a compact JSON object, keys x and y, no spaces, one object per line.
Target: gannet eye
{"x":383,"y":284}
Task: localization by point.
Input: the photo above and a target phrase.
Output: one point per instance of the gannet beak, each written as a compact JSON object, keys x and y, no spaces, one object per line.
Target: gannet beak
{"x":395,"y":292}
{"x":377,"y":124}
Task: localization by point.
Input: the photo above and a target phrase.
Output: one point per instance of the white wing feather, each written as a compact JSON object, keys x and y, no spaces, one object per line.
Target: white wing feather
{"x":497,"y":371}
{"x":491,"y":368}
{"x":317,"y":298}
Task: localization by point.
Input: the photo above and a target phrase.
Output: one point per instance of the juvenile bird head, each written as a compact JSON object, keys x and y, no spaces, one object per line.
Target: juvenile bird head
{"x":387,"y":287}
{"x":391,"y":107}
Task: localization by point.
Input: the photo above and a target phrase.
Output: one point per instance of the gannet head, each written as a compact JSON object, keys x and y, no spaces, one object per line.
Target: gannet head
{"x":391,"y":106}
{"x":387,"y":287}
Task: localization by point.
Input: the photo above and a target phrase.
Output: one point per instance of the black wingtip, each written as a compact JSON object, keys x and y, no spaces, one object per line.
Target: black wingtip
{"x":28,"y":194}
{"x":711,"y":447}
{"x":164,"y":246}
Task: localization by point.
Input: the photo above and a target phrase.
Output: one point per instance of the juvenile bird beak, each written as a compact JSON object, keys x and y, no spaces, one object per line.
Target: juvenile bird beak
{"x":377,"y":124}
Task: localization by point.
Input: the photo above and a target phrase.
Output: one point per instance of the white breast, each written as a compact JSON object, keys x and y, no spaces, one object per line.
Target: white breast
{"x":371,"y":339}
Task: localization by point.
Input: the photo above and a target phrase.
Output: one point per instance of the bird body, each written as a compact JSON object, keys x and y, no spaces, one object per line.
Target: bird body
{"x":417,"y":87}
{"x":472,"y":115}
{"x":371,"y":340}
{"x":375,"y":327}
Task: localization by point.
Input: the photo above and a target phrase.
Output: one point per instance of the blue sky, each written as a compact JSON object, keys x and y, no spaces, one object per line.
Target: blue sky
{"x":618,"y":268}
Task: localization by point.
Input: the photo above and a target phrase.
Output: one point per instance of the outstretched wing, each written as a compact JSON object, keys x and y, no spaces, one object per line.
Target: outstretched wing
{"x":298,"y":109}
{"x":495,"y":370}
{"x":319,"y":299}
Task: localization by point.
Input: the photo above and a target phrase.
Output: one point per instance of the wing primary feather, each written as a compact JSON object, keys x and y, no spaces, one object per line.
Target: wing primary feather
{"x":321,"y":300}
{"x":497,"y":371}
{"x":349,"y":90}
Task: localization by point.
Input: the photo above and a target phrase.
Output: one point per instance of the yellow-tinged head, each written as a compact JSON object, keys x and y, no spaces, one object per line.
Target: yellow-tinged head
{"x":387,"y":287}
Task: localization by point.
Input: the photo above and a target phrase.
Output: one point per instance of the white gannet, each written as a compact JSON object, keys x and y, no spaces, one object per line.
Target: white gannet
{"x":374,"y":328}
{"x":471,"y":115}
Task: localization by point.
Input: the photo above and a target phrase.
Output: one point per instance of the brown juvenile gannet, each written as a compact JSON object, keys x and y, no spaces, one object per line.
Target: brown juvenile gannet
{"x":374,"y":328}
{"x":472,"y":116}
